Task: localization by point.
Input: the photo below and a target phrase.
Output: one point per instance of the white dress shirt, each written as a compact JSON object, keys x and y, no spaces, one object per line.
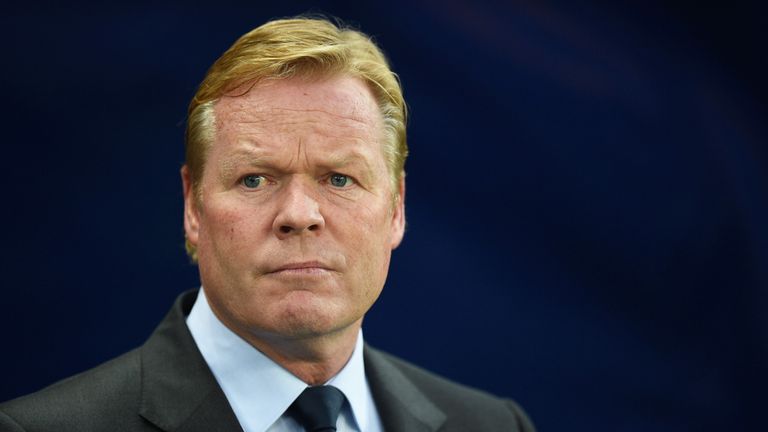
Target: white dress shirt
{"x":259,"y":390}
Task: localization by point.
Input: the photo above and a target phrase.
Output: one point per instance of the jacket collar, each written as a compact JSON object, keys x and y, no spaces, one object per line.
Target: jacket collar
{"x":401,"y":405}
{"x":179,"y":392}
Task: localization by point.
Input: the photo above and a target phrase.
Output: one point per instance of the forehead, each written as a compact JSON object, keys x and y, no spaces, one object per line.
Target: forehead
{"x":337,"y":105}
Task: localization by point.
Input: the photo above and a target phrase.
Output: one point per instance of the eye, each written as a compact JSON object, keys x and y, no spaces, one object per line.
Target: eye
{"x":340,"y":180}
{"x":252,"y":181}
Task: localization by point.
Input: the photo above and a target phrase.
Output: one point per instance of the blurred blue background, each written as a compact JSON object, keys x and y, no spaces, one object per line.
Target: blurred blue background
{"x":587,"y":196}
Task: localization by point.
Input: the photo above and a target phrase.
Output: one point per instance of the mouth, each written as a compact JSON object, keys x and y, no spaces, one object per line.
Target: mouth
{"x":302,"y":268}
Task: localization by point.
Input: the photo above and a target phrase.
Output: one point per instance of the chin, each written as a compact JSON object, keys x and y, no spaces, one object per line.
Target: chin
{"x":312,"y":318}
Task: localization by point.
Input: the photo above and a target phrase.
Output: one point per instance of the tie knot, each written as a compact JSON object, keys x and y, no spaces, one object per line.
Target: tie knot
{"x":317,"y":408}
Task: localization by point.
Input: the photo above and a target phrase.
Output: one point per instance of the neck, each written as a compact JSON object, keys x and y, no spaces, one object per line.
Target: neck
{"x":314,"y":360}
{"x":313,"y":356}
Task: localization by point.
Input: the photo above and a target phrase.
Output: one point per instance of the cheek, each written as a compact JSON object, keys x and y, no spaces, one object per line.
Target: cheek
{"x":375,"y":275}
{"x":368,"y":241}
{"x":361,"y":228}
{"x":226,"y":229}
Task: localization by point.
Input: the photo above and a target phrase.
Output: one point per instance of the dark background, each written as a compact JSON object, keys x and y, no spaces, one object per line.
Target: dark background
{"x":587,"y":196}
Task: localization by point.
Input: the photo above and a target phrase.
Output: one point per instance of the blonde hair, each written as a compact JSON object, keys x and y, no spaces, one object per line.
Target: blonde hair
{"x":301,"y":46}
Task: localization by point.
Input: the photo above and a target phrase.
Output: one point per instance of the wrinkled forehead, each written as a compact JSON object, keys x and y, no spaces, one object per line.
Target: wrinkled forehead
{"x":328,"y":116}
{"x":340,"y":98}
{"x":275,"y":114}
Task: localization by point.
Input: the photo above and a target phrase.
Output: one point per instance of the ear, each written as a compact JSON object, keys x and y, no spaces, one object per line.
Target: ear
{"x":191,"y":215}
{"x":398,"y":216}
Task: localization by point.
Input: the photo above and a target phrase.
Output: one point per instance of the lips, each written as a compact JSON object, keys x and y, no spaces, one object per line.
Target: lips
{"x":302,"y":267}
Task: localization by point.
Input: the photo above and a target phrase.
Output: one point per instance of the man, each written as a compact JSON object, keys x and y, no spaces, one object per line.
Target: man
{"x":293,"y":201}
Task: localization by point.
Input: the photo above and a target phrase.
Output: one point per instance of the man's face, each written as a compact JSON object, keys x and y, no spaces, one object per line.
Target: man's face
{"x":296,"y":223}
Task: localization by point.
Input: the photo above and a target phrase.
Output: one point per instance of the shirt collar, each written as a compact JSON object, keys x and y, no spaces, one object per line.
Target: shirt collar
{"x":351,"y":381}
{"x":258,"y":389}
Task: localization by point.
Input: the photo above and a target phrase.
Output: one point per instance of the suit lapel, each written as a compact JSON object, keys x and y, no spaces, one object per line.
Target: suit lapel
{"x":178,"y":391}
{"x":401,"y":405}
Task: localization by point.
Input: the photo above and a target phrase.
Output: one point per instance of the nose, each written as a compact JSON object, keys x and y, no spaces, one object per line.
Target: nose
{"x":298,"y":211}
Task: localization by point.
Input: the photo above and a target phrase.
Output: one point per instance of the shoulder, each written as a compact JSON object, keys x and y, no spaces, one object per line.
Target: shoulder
{"x":464,"y":406}
{"x":108,"y":391}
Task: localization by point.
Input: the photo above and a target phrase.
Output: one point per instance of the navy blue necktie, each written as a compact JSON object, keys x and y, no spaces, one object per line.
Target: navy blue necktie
{"x":317,"y":408}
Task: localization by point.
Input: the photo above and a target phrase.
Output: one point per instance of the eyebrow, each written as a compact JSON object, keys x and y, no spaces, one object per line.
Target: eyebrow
{"x":332,"y":161}
{"x":230,"y":164}
{"x":347,"y":158}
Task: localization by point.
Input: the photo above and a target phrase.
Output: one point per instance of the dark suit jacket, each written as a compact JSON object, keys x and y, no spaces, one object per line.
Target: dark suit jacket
{"x":165,"y":385}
